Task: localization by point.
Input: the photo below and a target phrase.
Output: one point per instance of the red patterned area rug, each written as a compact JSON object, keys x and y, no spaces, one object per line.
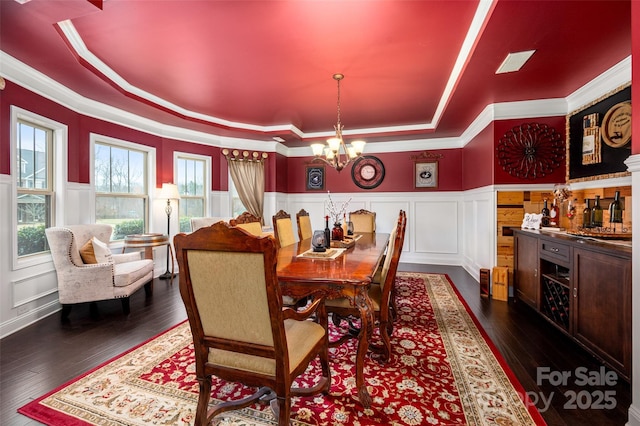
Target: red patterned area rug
{"x":443,"y":371}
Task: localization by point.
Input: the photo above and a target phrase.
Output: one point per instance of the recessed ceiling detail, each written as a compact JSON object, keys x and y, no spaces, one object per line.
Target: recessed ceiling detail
{"x":228,"y":69}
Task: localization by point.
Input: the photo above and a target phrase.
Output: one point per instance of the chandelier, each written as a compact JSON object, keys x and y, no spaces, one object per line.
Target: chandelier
{"x":336,"y":153}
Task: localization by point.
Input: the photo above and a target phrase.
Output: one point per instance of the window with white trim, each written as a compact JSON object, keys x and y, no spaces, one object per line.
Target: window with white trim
{"x":35,"y":196}
{"x":120,"y":179}
{"x":191,"y":178}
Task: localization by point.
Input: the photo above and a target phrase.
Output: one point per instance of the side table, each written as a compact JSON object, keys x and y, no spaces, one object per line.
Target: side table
{"x":148,"y":242}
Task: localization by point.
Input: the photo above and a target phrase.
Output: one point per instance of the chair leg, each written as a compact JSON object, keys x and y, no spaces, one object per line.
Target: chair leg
{"x":282,"y":409}
{"x":93,"y":311}
{"x":148,"y":288}
{"x":66,"y":310}
{"x":125,"y":305}
{"x":203,"y":402}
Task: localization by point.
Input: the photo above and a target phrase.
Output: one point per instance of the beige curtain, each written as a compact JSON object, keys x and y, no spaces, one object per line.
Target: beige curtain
{"x":248,"y":177}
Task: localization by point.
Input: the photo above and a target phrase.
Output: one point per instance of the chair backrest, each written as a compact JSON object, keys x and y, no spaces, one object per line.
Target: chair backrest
{"x":304,"y":225}
{"x":201,"y":222}
{"x":230,"y":290}
{"x":363,"y":220}
{"x":65,"y":242}
{"x":248,"y":222}
{"x":283,"y":229}
{"x":392,"y":259}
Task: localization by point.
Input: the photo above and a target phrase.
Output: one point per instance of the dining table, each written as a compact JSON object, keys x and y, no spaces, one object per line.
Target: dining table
{"x":342,"y":272}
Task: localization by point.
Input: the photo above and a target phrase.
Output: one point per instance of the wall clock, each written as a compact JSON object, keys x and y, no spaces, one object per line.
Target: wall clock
{"x":367,"y":172}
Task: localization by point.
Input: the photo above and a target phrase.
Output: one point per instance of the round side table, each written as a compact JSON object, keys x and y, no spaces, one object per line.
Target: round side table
{"x":148,"y":242}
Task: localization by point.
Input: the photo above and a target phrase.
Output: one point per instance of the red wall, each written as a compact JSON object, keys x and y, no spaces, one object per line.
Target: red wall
{"x":399,"y":173}
{"x":477,"y":160}
{"x":459,"y":169}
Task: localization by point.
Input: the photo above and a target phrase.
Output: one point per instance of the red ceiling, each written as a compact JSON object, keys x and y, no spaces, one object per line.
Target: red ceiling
{"x":229,"y":66}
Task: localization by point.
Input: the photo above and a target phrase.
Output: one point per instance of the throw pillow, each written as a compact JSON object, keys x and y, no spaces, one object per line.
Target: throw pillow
{"x":87,"y":254}
{"x":101,"y":251}
{"x":95,"y":251}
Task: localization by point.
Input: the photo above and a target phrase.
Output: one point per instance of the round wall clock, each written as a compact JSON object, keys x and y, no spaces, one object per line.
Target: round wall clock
{"x":367,"y":172}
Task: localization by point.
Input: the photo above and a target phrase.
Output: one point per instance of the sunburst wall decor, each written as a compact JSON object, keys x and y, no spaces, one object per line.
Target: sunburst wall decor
{"x":531,"y":151}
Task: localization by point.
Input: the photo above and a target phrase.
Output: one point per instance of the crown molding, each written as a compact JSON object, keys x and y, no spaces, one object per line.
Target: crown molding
{"x":31,"y":79}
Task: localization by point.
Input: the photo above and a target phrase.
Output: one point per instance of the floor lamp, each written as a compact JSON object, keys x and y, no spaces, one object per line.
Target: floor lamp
{"x":170,"y":192}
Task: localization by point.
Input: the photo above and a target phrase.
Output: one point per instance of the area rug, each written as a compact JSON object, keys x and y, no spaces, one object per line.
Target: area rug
{"x":443,"y":371}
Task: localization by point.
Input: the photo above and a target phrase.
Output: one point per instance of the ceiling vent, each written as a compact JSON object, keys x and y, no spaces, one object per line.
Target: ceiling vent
{"x":514,"y":61}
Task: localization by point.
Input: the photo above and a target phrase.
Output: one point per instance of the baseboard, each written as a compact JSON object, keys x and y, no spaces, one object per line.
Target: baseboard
{"x":634,"y":416}
{"x":32,"y":316}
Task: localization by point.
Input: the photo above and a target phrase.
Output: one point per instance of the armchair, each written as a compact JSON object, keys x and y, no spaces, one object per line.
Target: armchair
{"x":79,"y":282}
{"x":241,"y":331}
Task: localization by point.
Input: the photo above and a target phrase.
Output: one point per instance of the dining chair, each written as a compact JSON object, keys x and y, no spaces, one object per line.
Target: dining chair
{"x":249,"y":222}
{"x":241,"y":331}
{"x":363,"y":221}
{"x":304,"y":225}
{"x":283,"y":229}
{"x":342,"y":310}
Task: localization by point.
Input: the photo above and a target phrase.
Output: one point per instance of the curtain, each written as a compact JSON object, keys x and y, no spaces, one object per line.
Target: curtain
{"x":248,"y":177}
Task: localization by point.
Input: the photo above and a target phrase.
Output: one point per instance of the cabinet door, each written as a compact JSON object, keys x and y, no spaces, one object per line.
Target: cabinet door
{"x":526,"y":280}
{"x":602,"y":306}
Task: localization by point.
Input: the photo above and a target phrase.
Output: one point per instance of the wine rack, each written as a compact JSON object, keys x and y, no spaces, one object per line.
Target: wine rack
{"x":555,"y":299}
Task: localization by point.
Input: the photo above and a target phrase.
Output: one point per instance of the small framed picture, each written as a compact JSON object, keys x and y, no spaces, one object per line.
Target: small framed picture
{"x":315,"y":178}
{"x":426,"y":174}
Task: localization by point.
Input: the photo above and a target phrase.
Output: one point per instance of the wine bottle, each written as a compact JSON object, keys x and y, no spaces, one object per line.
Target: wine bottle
{"x":327,"y":233}
{"x":554,"y":214}
{"x":344,"y":224}
{"x":596,"y":214}
{"x":586,"y":214}
{"x":545,"y":214}
{"x":615,"y":209}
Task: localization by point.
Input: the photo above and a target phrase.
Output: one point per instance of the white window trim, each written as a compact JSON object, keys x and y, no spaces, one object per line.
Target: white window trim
{"x":207,"y":174}
{"x":151,"y":170}
{"x":60,"y":141}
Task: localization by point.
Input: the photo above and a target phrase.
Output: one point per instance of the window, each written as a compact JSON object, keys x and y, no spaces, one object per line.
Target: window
{"x":237,"y":208}
{"x":191,"y":178}
{"x":120,"y":179}
{"x":34,"y":183}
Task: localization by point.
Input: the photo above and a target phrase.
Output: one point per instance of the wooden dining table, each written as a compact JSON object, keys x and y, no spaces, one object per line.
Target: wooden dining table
{"x":348,"y":275}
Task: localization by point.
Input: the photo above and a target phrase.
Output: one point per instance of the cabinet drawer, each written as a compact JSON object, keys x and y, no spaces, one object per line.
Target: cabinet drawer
{"x":554,"y":250}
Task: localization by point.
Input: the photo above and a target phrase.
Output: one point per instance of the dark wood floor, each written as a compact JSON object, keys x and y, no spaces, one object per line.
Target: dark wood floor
{"x":47,"y":354}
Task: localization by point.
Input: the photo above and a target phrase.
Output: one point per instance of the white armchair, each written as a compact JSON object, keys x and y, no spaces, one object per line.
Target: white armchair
{"x":79,"y":282}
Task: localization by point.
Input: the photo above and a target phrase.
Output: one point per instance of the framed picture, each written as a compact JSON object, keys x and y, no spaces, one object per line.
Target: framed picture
{"x":426,"y":175}
{"x":315,"y":178}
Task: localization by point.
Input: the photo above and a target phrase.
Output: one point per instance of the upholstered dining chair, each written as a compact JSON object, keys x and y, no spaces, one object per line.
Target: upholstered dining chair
{"x":87,"y":271}
{"x":248,"y":222}
{"x":305,"y":229}
{"x":341,"y":309}
{"x":241,"y":331}
{"x":283,"y":229}
{"x":363,"y":221}
{"x":201,"y":222}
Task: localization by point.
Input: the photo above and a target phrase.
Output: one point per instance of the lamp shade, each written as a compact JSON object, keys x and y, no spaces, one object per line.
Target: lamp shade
{"x":170,"y":191}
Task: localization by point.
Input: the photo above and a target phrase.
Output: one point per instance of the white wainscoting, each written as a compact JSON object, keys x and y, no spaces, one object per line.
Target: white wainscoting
{"x":452,"y":228}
